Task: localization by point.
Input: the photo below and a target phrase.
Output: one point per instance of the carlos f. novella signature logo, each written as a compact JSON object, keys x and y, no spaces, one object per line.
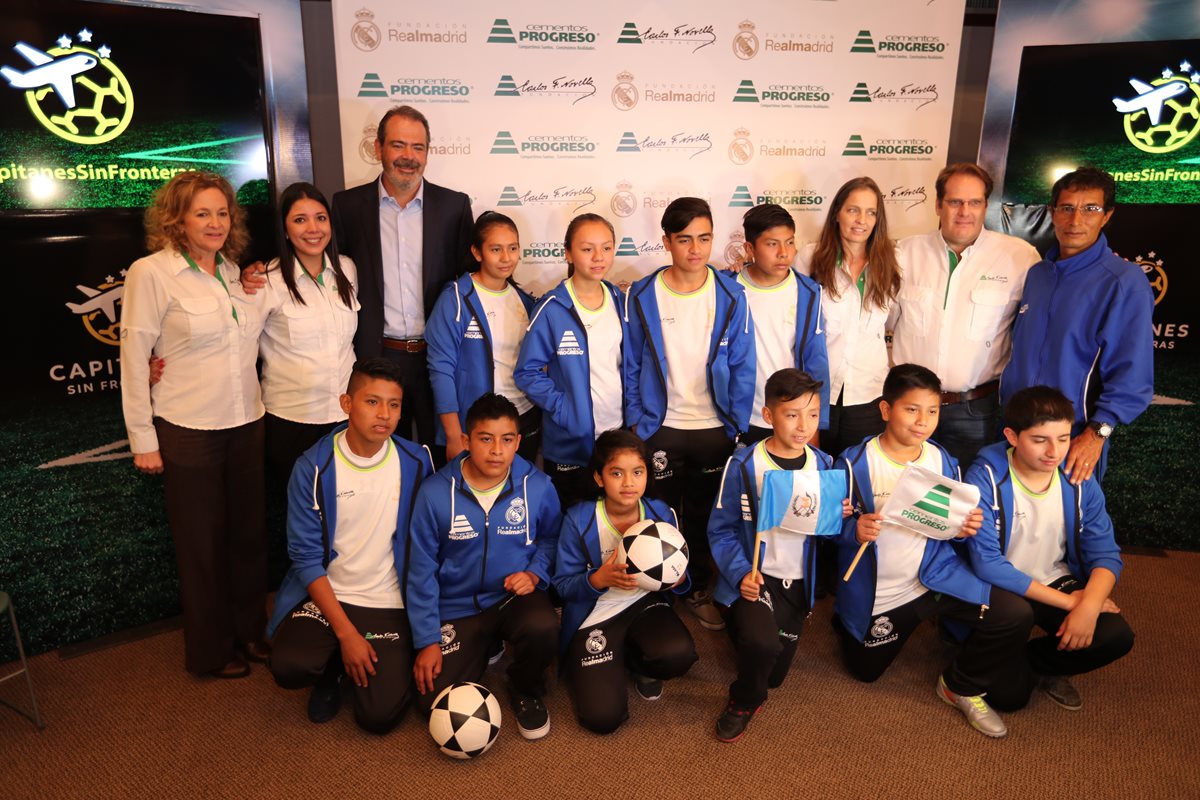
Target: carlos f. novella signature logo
{"x":75,"y":92}
{"x":1164,"y":114}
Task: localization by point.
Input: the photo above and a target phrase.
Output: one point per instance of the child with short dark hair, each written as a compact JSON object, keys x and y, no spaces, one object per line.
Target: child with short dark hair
{"x":609,"y":623}
{"x":341,"y":604}
{"x":905,"y":578}
{"x":484,"y":532}
{"x":1051,"y":542}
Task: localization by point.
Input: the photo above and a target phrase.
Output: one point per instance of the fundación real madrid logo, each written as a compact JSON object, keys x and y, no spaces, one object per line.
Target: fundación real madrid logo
{"x":881,"y":628}
{"x":596,"y":642}
{"x":735,"y":251}
{"x":365,"y":33}
{"x":448,"y":634}
{"x":745,"y":42}
{"x":366,"y":148}
{"x":1164,"y":114}
{"x":741,"y":149}
{"x":76,"y":93}
{"x":623,"y":203}
{"x":99,"y":311}
{"x":660,"y":460}
{"x":1152,"y":268}
{"x":516,"y":511}
{"x":624,"y":94}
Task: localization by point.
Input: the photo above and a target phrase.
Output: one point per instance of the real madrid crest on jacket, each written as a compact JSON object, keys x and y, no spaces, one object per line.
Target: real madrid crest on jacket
{"x":461,"y":554}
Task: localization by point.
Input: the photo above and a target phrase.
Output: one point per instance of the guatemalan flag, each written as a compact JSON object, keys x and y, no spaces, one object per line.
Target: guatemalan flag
{"x":802,"y":501}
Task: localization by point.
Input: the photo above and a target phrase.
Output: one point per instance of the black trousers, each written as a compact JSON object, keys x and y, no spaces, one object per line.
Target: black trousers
{"x":687,"y":474}
{"x":304,"y":644}
{"x":648,"y":638}
{"x":849,"y":425}
{"x":529,"y":625}
{"x":765,"y":635}
{"x":530,"y":426}
{"x":754,"y":435}
{"x":966,"y":428}
{"x":213,"y":481}
{"x":287,"y":440}
{"x":990,"y":660}
{"x":573,"y":483}
{"x":1113,"y":638}
{"x":416,"y":407}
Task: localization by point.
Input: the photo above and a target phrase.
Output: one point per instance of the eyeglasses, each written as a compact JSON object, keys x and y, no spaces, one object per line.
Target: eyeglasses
{"x":958,"y":205}
{"x":1090,"y":210}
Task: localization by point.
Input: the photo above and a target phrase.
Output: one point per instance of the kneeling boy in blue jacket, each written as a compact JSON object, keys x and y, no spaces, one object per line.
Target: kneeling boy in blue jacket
{"x":905,"y":578}
{"x":341,"y":604}
{"x":484,"y":533}
{"x":1051,"y":542}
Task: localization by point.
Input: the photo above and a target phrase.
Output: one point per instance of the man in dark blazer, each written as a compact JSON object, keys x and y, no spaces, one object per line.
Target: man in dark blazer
{"x":399,"y":281}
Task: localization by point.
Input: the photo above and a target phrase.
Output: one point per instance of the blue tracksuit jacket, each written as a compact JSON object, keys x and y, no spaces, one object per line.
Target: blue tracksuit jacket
{"x":942,"y":568}
{"x":461,"y":365}
{"x":1090,"y":540}
{"x":460,"y":555}
{"x":312,"y":517}
{"x":558,"y":379}
{"x":730,"y":365}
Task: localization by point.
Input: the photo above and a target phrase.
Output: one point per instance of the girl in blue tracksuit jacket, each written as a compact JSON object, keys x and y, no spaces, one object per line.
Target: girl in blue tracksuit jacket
{"x":474,"y":334}
{"x":608,"y":623}
{"x":571,"y":359}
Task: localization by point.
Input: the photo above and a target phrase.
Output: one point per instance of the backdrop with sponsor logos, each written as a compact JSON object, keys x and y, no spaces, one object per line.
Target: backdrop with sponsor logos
{"x":555,"y":110}
{"x":1112,"y":85}
{"x":99,"y":105}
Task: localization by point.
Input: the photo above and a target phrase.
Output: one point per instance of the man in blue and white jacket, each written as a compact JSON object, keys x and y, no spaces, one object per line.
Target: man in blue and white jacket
{"x":1085,"y":325}
{"x":341,"y":604}
{"x":1051,"y":542}
{"x":484,"y":533}
{"x":689,"y":379}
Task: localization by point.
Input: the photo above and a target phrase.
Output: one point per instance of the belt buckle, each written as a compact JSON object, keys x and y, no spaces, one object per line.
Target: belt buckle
{"x":413,"y":345}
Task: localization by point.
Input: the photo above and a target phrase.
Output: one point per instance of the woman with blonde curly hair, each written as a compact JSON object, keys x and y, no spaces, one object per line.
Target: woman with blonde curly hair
{"x":201,"y":426}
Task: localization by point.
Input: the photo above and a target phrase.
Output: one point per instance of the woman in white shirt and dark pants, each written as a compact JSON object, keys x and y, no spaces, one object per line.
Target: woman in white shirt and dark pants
{"x":201,"y":426}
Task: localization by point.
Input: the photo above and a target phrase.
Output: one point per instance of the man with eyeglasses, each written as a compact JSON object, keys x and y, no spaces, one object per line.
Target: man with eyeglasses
{"x":1085,"y":324}
{"x":961,"y":285}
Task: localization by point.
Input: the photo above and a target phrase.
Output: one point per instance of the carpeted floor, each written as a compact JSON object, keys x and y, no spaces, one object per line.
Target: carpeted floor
{"x":129,"y":722}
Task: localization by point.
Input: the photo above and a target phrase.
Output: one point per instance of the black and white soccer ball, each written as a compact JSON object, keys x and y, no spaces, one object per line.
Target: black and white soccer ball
{"x":656,"y":553}
{"x":465,"y":720}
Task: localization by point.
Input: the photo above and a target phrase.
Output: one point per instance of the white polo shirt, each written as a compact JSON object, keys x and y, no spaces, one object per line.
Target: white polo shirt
{"x":186,"y":317}
{"x":854,"y":330}
{"x":959,"y":323}
{"x":307,"y":348}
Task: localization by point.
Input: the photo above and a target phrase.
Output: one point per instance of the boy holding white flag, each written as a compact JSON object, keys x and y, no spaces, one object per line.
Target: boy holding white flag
{"x":767,"y":570}
{"x":906,"y":576}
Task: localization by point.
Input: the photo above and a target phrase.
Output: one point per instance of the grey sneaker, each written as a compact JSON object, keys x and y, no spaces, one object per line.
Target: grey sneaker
{"x":1061,"y":691}
{"x":978,"y":713}
{"x":703,"y":609}
{"x":648,"y":688}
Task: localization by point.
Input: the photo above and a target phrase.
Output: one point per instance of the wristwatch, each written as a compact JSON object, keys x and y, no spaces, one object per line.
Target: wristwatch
{"x":1101,"y":429}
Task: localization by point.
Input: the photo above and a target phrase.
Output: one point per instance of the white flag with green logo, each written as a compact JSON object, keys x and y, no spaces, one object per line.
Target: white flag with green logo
{"x":929,"y":503}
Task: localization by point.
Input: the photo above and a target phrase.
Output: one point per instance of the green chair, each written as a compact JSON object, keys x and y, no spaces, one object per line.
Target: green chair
{"x":35,"y":717}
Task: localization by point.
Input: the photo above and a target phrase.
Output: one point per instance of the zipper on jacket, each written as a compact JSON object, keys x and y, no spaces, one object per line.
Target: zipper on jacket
{"x":487,"y":338}
{"x":712,"y":356}
{"x":486,"y":534}
{"x":650,"y":341}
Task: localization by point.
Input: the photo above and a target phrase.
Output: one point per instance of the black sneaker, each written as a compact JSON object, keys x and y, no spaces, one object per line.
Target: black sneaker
{"x":733,"y":721}
{"x":496,"y":653}
{"x":326,"y":698}
{"x":648,"y":688}
{"x":533,"y":721}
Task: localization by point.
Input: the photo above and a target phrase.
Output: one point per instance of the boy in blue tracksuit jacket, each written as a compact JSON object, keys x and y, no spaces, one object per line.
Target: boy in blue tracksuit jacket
{"x":1085,"y":324}
{"x":765,"y":609}
{"x":689,"y":378}
{"x":904,"y":578}
{"x":554,"y":369}
{"x":789,"y":330}
{"x":1050,"y":542}
{"x":341,"y":603}
{"x":484,"y":532}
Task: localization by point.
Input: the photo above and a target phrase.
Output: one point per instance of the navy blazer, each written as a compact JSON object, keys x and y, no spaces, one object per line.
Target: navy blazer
{"x":447,"y":227}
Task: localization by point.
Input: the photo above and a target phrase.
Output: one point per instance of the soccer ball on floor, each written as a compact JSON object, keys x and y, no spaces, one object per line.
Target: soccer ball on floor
{"x":656,"y":553}
{"x":465,"y":720}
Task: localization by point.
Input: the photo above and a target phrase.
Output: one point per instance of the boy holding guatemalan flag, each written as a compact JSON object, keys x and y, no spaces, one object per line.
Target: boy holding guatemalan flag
{"x":908,"y":503}
{"x":766,"y":581}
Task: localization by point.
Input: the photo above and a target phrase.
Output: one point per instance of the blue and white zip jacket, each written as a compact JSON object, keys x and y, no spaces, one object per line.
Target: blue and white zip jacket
{"x":312,"y":517}
{"x":1090,"y":539}
{"x":558,"y":379}
{"x":460,"y":555}
{"x":579,"y":555}
{"x":1085,"y":327}
{"x":734,"y":519}
{"x":942,"y":568}
{"x":731,"y":359}
{"x":461,"y":364}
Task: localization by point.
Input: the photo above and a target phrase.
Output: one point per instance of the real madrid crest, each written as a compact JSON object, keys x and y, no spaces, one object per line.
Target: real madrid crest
{"x":623,"y":202}
{"x":741,"y":149}
{"x":448,"y":634}
{"x":745,"y":42}
{"x":624,"y":94}
{"x":660,"y":460}
{"x":881,"y":628}
{"x":596,"y":642}
{"x":365,"y":33}
{"x":366,"y":148}
{"x":516,"y":511}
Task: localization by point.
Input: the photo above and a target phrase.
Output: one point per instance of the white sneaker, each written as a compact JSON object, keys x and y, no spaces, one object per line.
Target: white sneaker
{"x":978,"y":713}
